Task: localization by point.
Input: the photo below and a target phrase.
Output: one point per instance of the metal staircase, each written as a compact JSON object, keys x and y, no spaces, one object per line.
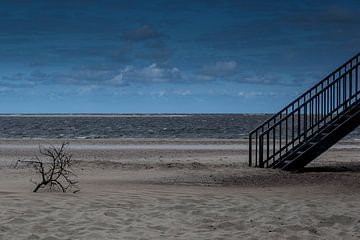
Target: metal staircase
{"x":311,"y":124}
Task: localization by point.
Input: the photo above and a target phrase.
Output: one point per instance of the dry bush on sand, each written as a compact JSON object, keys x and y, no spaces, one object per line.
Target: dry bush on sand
{"x":54,"y":169}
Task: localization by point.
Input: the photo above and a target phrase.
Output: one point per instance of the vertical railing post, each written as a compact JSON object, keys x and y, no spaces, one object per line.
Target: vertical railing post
{"x":280,"y":138}
{"x":344,"y":91}
{"x":286,"y":130}
{"x":305,"y":116}
{"x":305,"y":121}
{"x":250,"y":150}
{"x":356,"y":79}
{"x":293,"y":128}
{"x":267,"y":145}
{"x":274,"y":144}
{"x":261,"y":151}
{"x":350,"y":81}
{"x":256,"y":148}
{"x":299,"y":125}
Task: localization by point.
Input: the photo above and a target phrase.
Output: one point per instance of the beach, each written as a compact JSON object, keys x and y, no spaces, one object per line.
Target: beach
{"x":179,"y":189}
{"x":150,"y":120}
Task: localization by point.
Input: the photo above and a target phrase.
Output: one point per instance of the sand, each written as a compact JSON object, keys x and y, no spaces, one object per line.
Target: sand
{"x":180,"y":189}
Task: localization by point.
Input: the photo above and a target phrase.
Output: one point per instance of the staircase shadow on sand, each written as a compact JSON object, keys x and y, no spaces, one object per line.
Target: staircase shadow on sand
{"x":341,"y":167}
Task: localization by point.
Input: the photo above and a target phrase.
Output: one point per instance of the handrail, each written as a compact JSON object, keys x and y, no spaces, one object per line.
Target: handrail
{"x":296,"y":139}
{"x":305,"y":93}
{"x":312,"y":109}
{"x":309,"y":100}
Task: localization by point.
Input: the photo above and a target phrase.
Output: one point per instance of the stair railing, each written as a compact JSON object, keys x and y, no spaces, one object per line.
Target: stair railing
{"x":305,"y":116}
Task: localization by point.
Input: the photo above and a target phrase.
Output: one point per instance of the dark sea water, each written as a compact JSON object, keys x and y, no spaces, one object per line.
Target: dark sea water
{"x":230,"y":126}
{"x":225,"y":126}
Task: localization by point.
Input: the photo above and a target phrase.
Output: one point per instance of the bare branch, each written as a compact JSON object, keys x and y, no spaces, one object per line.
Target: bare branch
{"x":55,"y":170}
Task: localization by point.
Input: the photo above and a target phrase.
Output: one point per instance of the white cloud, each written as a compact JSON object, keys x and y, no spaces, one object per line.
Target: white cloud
{"x":166,"y":92}
{"x":87,"y":89}
{"x":151,"y":73}
{"x":89,"y":77}
{"x":250,"y":94}
{"x":159,"y":93}
{"x":117,"y":80}
{"x":219,"y":69}
{"x":184,"y":92}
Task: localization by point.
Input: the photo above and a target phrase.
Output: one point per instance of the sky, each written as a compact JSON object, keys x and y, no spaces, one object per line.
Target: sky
{"x":169,"y":56}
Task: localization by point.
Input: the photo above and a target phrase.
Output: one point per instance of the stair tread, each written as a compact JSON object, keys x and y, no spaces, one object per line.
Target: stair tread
{"x":306,"y":114}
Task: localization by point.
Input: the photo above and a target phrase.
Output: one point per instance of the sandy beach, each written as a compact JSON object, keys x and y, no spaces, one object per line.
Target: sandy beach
{"x":180,"y":189}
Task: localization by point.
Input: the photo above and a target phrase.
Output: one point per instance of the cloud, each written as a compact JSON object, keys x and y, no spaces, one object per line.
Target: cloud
{"x":220,"y":69}
{"x":152,"y":73}
{"x":141,"y":34}
{"x":80,"y":77}
{"x":167,"y":92}
{"x":87,"y":89}
{"x":118,"y":80}
{"x":91,"y":78}
{"x":254,"y":94}
{"x":77,"y":77}
{"x":14,"y":81}
{"x":159,"y":93}
{"x":183,"y":92}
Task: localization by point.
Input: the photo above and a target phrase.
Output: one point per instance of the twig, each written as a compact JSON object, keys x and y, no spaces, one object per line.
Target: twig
{"x":55,"y":171}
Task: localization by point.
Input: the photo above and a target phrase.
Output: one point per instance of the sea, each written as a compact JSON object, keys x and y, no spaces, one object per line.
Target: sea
{"x":92,"y":126}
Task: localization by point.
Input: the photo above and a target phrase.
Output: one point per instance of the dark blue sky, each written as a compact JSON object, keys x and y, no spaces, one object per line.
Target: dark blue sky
{"x":169,"y":55}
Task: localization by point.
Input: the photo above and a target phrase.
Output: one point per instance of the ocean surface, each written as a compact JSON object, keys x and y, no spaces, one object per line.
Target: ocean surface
{"x":230,"y":126}
{"x":225,"y":126}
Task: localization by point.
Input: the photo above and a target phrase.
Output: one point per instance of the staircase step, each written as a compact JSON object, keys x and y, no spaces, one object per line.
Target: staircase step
{"x":295,"y":154}
{"x":282,"y":163}
{"x":322,"y":134}
{"x":333,"y":126}
{"x":329,"y":129}
{"x":306,"y":146}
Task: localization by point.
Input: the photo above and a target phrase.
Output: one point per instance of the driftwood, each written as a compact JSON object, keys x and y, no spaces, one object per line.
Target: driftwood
{"x":54,"y":168}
